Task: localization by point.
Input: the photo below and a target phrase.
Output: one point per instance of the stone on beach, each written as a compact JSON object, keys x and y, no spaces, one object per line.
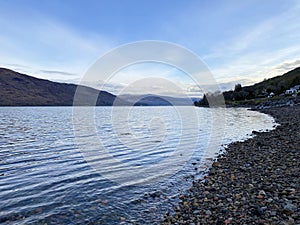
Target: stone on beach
{"x":254,"y":182}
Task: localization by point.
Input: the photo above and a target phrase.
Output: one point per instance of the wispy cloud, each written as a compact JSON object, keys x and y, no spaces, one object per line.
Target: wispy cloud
{"x":58,"y":72}
{"x":256,"y":52}
{"x":288,"y":65}
{"x":33,"y":46}
{"x":49,"y":46}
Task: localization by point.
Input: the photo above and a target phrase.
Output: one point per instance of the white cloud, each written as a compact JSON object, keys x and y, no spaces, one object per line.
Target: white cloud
{"x":45,"y":44}
{"x":288,"y":65}
{"x":50,"y":49}
{"x":255,"y":53}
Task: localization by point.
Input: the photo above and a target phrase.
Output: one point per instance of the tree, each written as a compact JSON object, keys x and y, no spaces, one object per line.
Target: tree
{"x":296,"y":81}
{"x":238,"y":96}
{"x":204,"y":101}
{"x":270,"y":89}
{"x":281,"y":87}
{"x":250,"y":94}
{"x":237,"y":87}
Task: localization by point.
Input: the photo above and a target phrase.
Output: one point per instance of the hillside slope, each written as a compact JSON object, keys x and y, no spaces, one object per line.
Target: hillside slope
{"x":277,"y":85}
{"x":18,"y":89}
{"x":256,"y":93}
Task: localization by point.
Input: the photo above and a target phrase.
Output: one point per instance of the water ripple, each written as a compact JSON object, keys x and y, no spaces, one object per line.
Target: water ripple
{"x":45,"y":179}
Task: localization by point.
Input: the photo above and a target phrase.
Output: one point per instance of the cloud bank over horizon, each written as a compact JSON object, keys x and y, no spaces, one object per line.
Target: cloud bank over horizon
{"x":240,"y":41}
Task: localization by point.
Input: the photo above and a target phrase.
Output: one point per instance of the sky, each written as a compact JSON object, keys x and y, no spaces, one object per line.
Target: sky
{"x":239,"y":41}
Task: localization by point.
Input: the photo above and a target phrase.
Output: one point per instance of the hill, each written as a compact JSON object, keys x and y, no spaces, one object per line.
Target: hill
{"x":278,"y":85}
{"x":18,"y":89}
{"x":156,"y":100}
{"x":253,"y":94}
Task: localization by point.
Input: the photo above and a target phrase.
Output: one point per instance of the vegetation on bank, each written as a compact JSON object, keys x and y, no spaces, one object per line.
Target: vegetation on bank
{"x":276,"y":88}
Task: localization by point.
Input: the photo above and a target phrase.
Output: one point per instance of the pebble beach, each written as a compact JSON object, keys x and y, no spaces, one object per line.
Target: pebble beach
{"x":253,"y":182}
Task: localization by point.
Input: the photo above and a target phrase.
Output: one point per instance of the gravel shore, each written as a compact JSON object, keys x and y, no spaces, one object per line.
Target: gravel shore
{"x":254,"y":182}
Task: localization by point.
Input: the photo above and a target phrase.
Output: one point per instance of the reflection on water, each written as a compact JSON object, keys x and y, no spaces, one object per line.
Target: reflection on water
{"x":44,"y":178}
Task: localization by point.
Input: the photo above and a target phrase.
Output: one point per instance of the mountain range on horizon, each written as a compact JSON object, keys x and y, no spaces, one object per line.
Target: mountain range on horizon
{"x":19,"y":89}
{"x":156,"y":100}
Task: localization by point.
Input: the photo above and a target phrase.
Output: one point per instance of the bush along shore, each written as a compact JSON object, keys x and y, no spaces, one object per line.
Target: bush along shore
{"x":253,"y":182}
{"x":265,"y":103}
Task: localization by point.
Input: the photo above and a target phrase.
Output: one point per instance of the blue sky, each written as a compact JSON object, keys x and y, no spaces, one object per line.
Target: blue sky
{"x":240,"y":41}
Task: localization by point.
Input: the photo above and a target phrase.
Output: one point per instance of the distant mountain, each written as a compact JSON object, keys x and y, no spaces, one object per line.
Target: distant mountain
{"x":18,"y":89}
{"x":155,"y":100}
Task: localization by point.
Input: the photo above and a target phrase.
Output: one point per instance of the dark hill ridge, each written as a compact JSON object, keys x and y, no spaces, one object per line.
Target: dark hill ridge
{"x":257,"y":93}
{"x":18,"y":89}
{"x":277,"y":85}
{"x":280,"y":83}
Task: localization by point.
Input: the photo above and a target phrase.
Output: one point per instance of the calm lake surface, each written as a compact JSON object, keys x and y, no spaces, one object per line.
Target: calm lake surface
{"x":47,"y":178}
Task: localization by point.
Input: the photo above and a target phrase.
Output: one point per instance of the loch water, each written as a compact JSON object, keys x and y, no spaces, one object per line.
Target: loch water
{"x":48,"y":177}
